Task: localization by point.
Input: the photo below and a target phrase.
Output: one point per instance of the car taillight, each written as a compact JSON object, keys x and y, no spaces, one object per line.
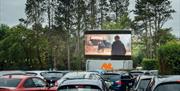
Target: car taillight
{"x":119,"y":82}
{"x":178,"y":81}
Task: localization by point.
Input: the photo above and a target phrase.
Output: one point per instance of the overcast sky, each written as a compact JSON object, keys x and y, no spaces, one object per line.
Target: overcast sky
{"x":12,"y":10}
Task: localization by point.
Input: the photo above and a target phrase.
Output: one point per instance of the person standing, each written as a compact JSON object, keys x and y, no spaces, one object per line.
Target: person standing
{"x":118,"y":47}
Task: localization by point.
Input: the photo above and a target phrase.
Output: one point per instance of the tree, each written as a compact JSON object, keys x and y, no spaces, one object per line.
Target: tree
{"x":91,"y":14}
{"x":163,"y":36}
{"x":151,"y":15}
{"x":103,"y":10}
{"x":18,"y":49}
{"x":35,"y":10}
{"x":80,"y":10}
{"x":3,"y":31}
{"x":119,"y":7}
{"x":123,"y":22}
{"x":64,"y":19}
{"x":169,"y":58}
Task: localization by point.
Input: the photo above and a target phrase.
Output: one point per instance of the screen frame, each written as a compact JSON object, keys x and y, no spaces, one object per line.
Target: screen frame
{"x":113,"y":57}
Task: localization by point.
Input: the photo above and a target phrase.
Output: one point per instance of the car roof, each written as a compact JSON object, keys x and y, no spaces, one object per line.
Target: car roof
{"x":81,"y":72}
{"x":171,"y":78}
{"x":12,"y":72}
{"x":82,"y":82}
{"x":134,"y":71}
{"x":55,"y":72}
{"x":16,"y":76}
{"x":146,"y":77}
{"x":37,"y":71}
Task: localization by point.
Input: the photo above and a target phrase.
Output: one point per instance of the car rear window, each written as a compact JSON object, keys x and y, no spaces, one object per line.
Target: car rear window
{"x":52,"y":74}
{"x":74,"y":75}
{"x":31,"y":74}
{"x":136,"y":73}
{"x":111,"y":77}
{"x":9,"y":82}
{"x":79,"y":88}
{"x":168,"y":87}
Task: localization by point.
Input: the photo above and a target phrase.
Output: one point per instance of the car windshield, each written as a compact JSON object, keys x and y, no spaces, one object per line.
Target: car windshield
{"x":51,"y":74}
{"x":111,"y":77}
{"x":79,"y":88}
{"x":9,"y":82}
{"x":168,"y":87}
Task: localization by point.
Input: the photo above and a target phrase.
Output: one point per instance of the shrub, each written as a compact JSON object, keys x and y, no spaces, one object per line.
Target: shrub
{"x":149,"y":64}
{"x":169,"y":58}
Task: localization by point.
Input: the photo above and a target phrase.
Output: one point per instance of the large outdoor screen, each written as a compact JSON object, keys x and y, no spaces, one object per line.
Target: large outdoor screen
{"x":108,"y":43}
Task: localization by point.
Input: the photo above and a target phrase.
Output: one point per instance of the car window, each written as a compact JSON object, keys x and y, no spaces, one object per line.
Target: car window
{"x":51,"y":74}
{"x":79,"y":88}
{"x":92,"y":76}
{"x":144,"y":83}
{"x":9,"y":82}
{"x":74,"y":75}
{"x":31,"y":74}
{"x":29,"y":83}
{"x":111,"y":77}
{"x":38,"y":82}
{"x":168,"y":87}
{"x":136,"y":73}
{"x":98,"y":77}
{"x":125,"y":77}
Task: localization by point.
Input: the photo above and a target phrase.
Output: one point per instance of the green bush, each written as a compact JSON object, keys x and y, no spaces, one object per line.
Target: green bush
{"x":169,"y":58}
{"x":149,"y":64}
{"x":137,"y":59}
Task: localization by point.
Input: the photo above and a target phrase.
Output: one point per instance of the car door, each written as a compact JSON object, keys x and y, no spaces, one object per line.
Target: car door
{"x":34,"y":84}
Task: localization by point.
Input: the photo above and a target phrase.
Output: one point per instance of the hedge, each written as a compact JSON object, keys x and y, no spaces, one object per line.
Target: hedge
{"x":149,"y":64}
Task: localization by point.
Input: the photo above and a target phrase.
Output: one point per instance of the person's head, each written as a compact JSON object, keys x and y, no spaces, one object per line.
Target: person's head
{"x":117,"y":38}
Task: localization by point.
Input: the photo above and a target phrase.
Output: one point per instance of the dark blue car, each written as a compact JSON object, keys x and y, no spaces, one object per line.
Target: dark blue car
{"x":119,"y":81}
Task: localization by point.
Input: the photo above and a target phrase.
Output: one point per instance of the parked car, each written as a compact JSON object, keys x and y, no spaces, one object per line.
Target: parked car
{"x":167,"y":83}
{"x":77,"y":75}
{"x":120,"y":81}
{"x":24,"y":83}
{"x":37,"y":73}
{"x":144,"y":83}
{"x":52,"y":76}
{"x":82,"y":85}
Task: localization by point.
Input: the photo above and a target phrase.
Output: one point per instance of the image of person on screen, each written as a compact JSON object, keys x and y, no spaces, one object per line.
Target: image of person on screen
{"x":101,"y":46}
{"x":118,"y":47}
